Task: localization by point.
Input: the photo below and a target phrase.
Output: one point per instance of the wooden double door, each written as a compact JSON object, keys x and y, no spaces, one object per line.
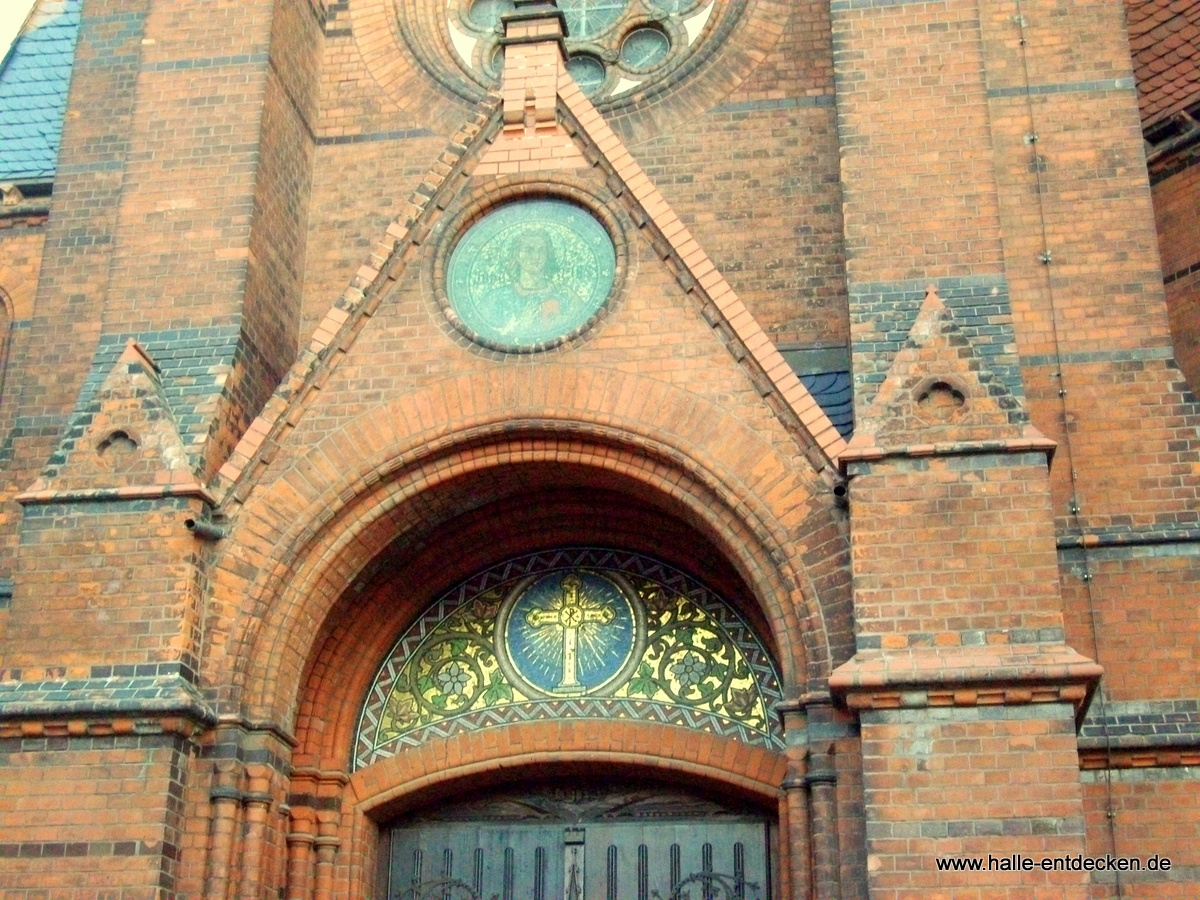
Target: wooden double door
{"x":563,"y":842}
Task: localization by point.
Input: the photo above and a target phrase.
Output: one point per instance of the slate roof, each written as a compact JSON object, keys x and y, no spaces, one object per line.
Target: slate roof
{"x":33,"y":92}
{"x":1164,"y":36}
{"x":834,"y":392}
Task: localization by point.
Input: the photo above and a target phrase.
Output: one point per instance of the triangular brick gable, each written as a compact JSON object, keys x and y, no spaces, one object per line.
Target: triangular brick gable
{"x":125,"y":440}
{"x":938,"y":390}
{"x":540,"y":122}
{"x":532,"y":139}
{"x":699,"y":272}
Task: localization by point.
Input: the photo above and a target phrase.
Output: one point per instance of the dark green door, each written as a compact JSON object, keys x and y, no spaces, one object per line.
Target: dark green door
{"x":639,"y":845}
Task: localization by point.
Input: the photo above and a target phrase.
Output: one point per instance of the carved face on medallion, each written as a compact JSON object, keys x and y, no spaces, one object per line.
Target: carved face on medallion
{"x":530,"y":274}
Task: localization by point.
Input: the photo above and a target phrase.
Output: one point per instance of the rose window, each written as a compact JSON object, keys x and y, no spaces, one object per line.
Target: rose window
{"x":613,"y":46}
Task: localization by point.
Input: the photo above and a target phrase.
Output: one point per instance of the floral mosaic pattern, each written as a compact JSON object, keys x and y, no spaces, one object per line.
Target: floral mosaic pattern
{"x":693,"y":661}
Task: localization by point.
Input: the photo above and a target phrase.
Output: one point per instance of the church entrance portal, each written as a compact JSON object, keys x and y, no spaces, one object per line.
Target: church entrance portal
{"x":566,"y":841}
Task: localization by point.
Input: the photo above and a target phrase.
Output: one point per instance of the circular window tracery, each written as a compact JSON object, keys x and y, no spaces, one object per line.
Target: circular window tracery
{"x":644,"y":48}
{"x":586,"y":19}
{"x":588,"y":72}
{"x":615,"y":46}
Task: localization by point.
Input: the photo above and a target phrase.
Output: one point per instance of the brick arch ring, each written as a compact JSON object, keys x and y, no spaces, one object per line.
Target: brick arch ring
{"x":529,"y":749}
{"x":307,"y":544}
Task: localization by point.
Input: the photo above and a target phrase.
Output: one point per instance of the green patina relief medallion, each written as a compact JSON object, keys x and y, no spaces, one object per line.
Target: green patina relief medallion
{"x":530,"y":274}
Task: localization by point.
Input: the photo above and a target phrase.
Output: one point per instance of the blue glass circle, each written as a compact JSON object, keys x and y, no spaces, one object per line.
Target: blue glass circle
{"x":644,"y":48}
{"x":570,"y":634}
{"x":486,"y":14}
{"x":588,"y":73}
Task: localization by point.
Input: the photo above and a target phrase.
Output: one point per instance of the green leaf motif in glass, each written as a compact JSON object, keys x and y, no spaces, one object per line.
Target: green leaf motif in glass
{"x":531,"y":273}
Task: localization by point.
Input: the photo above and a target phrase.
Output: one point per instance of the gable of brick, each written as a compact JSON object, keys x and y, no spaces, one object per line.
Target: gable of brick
{"x":940,"y":390}
{"x":123,"y":440}
{"x":540,"y":122}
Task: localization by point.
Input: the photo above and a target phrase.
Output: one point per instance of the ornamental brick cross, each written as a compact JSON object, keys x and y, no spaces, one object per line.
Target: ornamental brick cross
{"x":569,"y":616}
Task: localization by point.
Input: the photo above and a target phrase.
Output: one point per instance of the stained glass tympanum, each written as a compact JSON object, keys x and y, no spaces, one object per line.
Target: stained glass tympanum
{"x":579,"y":633}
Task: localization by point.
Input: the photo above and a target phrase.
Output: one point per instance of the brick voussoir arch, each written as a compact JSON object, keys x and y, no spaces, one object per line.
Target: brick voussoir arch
{"x":307,"y":534}
{"x":648,"y":748}
{"x":290,"y":627}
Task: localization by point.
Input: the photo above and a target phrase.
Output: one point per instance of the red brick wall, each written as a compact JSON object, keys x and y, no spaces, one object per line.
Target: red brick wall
{"x":917,"y":159}
{"x":21,"y":244}
{"x":755,"y":178}
{"x":944,"y":546}
{"x":100,"y":817}
{"x":1142,"y":607}
{"x":103,"y":584}
{"x":78,"y":239}
{"x":1096,"y":311}
{"x":1176,"y":199}
{"x":1154,"y":812}
{"x":275,"y":269}
{"x":831,"y":159}
{"x":966,"y":784}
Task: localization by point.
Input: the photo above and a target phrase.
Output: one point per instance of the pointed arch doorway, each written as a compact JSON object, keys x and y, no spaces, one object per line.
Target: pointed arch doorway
{"x":580,"y":839}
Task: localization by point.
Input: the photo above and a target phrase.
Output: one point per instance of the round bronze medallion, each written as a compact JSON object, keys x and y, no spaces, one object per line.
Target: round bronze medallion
{"x":530,"y":274}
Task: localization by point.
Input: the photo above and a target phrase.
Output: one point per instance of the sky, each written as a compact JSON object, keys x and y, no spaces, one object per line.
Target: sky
{"x":12,"y":16}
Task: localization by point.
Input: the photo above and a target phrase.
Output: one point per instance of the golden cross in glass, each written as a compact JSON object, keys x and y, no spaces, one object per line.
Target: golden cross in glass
{"x":570,"y":615}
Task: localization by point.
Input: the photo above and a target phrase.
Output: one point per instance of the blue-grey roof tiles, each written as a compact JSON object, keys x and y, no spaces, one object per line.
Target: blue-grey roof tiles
{"x":33,"y":92}
{"x":833,"y":391}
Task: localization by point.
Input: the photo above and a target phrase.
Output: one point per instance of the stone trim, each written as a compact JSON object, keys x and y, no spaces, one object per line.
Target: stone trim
{"x":1182,"y":273}
{"x":241,"y":59}
{"x":1037,"y":445}
{"x":101,"y":727}
{"x":151,"y":699}
{"x":1129,"y":354}
{"x":190,"y":488}
{"x":992,"y":675}
{"x":1137,"y":726}
{"x":1115,"y":538}
{"x":1005,"y":696}
{"x":1065,"y":87}
{"x":69,"y":849}
{"x":371,"y":137}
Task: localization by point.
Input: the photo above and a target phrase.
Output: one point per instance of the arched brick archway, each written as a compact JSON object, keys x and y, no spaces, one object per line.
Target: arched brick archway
{"x":308,"y":541}
{"x":570,"y":509}
{"x":305,"y":581}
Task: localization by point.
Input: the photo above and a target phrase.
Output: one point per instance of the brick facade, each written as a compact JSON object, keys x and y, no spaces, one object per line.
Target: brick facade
{"x":246,"y":441}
